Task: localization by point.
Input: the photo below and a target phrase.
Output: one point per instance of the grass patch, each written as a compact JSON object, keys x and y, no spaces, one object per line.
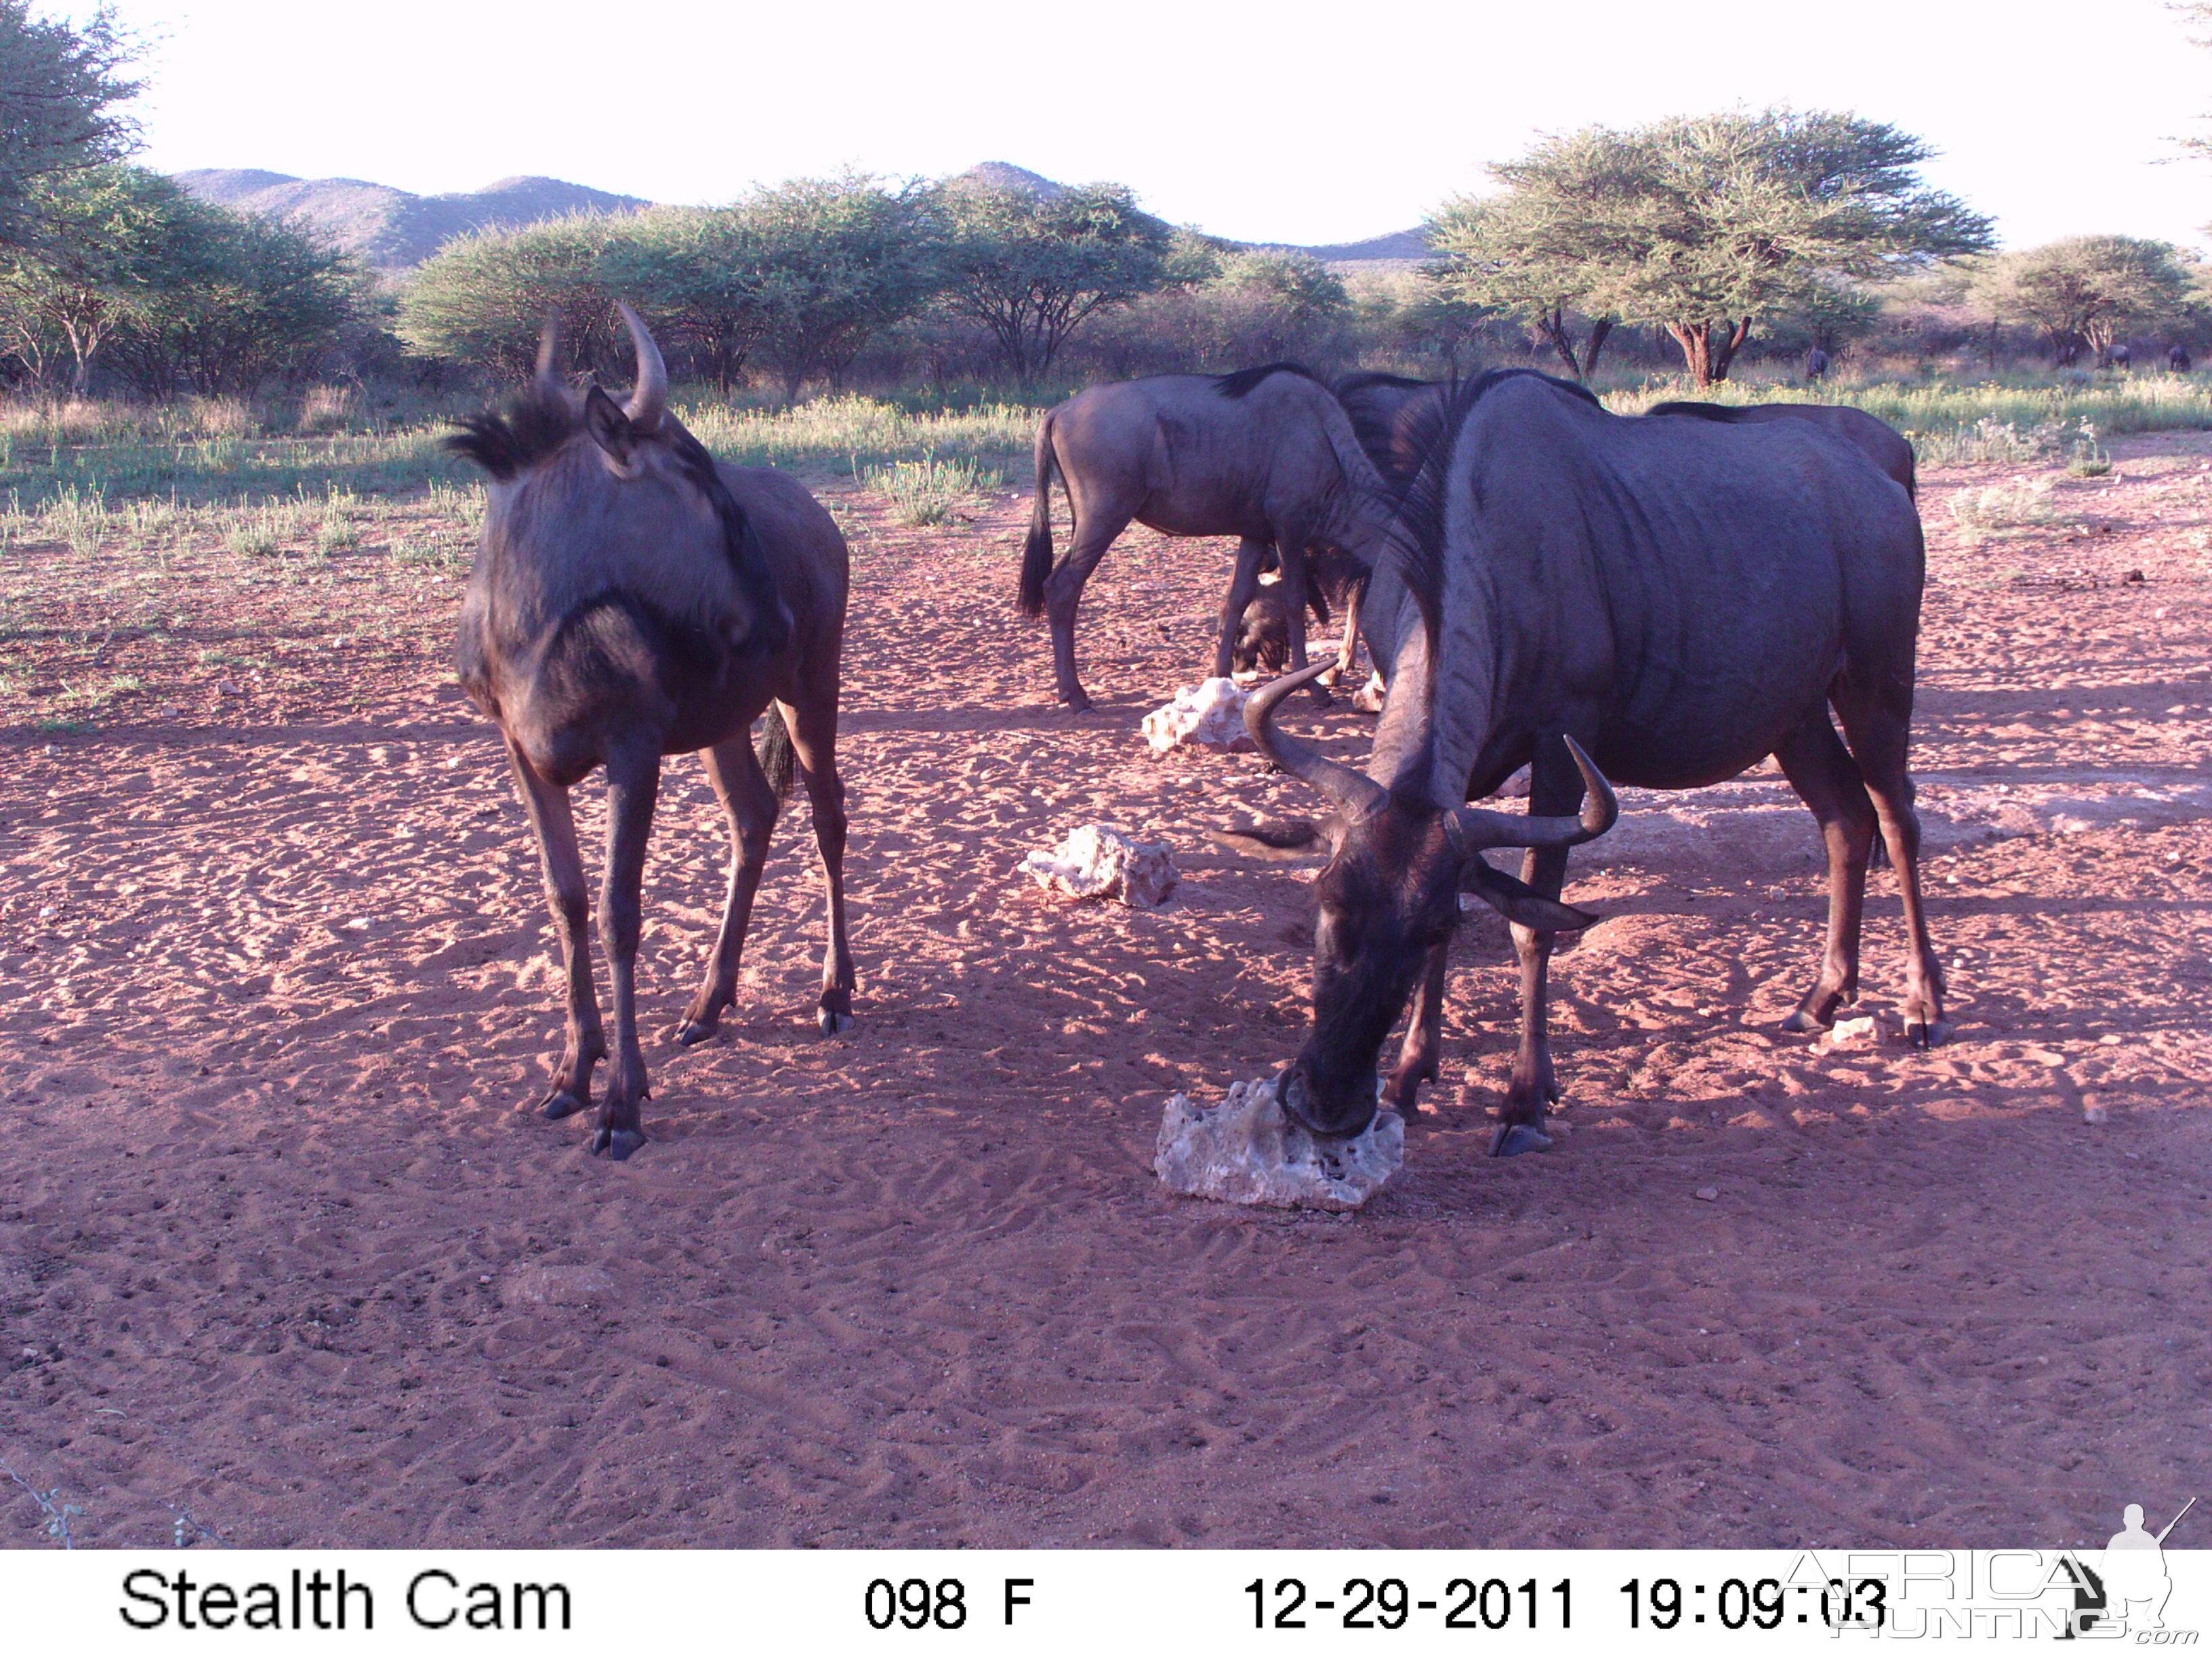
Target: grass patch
{"x":930,"y":490}
{"x":2006,"y":507}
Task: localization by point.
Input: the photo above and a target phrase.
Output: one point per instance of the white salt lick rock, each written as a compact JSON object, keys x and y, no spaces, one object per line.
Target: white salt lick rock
{"x":1208,"y":715}
{"x":1097,"y":862}
{"x":1245,"y":1151}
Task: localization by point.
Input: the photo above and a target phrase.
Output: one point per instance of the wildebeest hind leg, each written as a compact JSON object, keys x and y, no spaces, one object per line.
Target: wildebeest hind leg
{"x":567,"y":898}
{"x":814,"y":741}
{"x":751,"y":805}
{"x":633,"y":783}
{"x":1877,"y":729}
{"x":1063,"y":593}
{"x":1417,"y":1056}
{"x":1826,"y":778}
{"x":1290,"y":542}
{"x":1555,"y":789}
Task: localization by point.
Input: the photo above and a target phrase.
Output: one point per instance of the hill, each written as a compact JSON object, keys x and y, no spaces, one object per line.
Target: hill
{"x":389,"y":229}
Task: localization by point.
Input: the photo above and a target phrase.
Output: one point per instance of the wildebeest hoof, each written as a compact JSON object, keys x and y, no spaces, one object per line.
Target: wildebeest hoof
{"x":694,"y":1030}
{"x":1805,"y":1022}
{"x":618,"y":1143}
{"x":564,"y":1102}
{"x":1928,"y":1034}
{"x":833,"y":1022}
{"x":1514,"y":1139}
{"x":1078,"y":704}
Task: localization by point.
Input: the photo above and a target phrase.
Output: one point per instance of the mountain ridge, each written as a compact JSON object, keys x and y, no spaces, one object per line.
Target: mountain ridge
{"x":391,"y":230}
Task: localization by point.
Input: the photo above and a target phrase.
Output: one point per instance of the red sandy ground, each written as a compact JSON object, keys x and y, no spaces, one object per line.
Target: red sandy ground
{"x":280,"y":1245}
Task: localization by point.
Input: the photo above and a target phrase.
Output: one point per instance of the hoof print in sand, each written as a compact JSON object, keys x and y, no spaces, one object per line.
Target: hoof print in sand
{"x":1246,"y":1152}
{"x":1099,"y":862}
{"x":1208,"y":715}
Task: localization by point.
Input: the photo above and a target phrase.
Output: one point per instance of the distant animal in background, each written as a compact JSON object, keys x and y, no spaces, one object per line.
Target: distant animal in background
{"x":1266,"y":455}
{"x":2176,"y":360}
{"x":2119,"y":356}
{"x":632,"y":597}
{"x":1816,"y":364}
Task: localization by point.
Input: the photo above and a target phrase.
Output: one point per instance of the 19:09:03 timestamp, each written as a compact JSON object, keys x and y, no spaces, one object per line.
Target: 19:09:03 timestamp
{"x":1765,"y":1604}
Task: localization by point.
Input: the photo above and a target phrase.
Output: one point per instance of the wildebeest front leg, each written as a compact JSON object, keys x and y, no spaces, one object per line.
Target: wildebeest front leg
{"x":813,"y":725}
{"x":751,"y":805}
{"x":1242,"y":585}
{"x":1291,"y":553}
{"x":569,"y":900}
{"x":1348,"y":650}
{"x":633,"y":781}
{"x":1825,"y":777}
{"x":1418,"y":1055}
{"x":1555,"y":789}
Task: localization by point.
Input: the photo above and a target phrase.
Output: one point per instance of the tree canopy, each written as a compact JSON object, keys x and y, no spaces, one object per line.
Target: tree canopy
{"x":1032,"y":269}
{"x":59,"y":88}
{"x":2081,"y":291}
{"x":1700,"y":225}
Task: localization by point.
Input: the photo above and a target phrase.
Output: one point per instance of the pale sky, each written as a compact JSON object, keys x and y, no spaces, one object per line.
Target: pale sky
{"x":1273,"y":123}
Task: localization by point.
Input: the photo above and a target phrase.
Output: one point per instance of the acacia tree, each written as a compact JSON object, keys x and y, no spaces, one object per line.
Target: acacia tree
{"x":1703,"y":225}
{"x":696,"y":272}
{"x":2081,"y":291}
{"x":1527,"y":253}
{"x":832,"y":262}
{"x":59,"y":88}
{"x":1032,"y":269}
{"x":111,"y":244}
{"x":482,"y":299}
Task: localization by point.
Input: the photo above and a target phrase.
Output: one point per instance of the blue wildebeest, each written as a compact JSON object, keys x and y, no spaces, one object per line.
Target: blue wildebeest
{"x":1816,"y":364}
{"x":632,"y":597}
{"x":1679,"y":598}
{"x":1880,"y":442}
{"x":1265,"y":455}
{"x":2177,"y":359}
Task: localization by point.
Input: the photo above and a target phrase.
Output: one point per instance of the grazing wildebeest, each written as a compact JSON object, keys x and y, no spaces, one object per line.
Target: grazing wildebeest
{"x":1263,"y":635}
{"x":1816,"y":363}
{"x":1266,"y":455}
{"x":1882,"y":443}
{"x":1680,"y":600}
{"x":2176,"y":360}
{"x":2118,"y":357}
{"x":632,"y":597}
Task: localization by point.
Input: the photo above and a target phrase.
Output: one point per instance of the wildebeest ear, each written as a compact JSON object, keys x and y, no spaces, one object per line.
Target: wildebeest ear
{"x":1292,"y":838}
{"x":609,"y":427}
{"x":1518,"y":902}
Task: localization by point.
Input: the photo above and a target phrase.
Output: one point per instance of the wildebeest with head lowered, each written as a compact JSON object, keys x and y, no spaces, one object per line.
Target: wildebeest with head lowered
{"x":631,"y":598}
{"x":1679,"y":598}
{"x":1880,"y":442}
{"x":1265,"y":455}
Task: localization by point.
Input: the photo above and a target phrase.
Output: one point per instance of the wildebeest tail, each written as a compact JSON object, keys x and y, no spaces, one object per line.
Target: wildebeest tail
{"x":1037,"y":551}
{"x":774,"y":754}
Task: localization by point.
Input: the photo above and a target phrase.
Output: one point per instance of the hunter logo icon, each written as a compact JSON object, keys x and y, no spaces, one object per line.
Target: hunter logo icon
{"x":2128,"y":1589}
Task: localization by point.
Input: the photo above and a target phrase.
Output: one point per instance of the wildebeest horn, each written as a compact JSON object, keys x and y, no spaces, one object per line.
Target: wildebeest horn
{"x":1354,"y":792}
{"x":1473,"y":828}
{"x":650,"y":401}
{"x":548,"y":347}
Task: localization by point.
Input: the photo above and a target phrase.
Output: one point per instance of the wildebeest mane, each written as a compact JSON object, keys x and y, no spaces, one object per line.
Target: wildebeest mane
{"x":1415,"y":546}
{"x":532,"y":428}
{"x":1240,"y":383}
{"x":1723,"y":412}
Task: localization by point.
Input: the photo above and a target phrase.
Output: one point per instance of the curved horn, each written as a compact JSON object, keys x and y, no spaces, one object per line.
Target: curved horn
{"x":1473,"y":828}
{"x":1355,"y":792}
{"x":650,"y":401}
{"x":549,"y":348}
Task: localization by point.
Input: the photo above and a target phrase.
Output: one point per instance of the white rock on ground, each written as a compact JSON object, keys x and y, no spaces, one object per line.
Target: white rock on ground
{"x":1208,"y":715}
{"x":1097,"y":861}
{"x":1866,"y":1031}
{"x":1246,"y":1152}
